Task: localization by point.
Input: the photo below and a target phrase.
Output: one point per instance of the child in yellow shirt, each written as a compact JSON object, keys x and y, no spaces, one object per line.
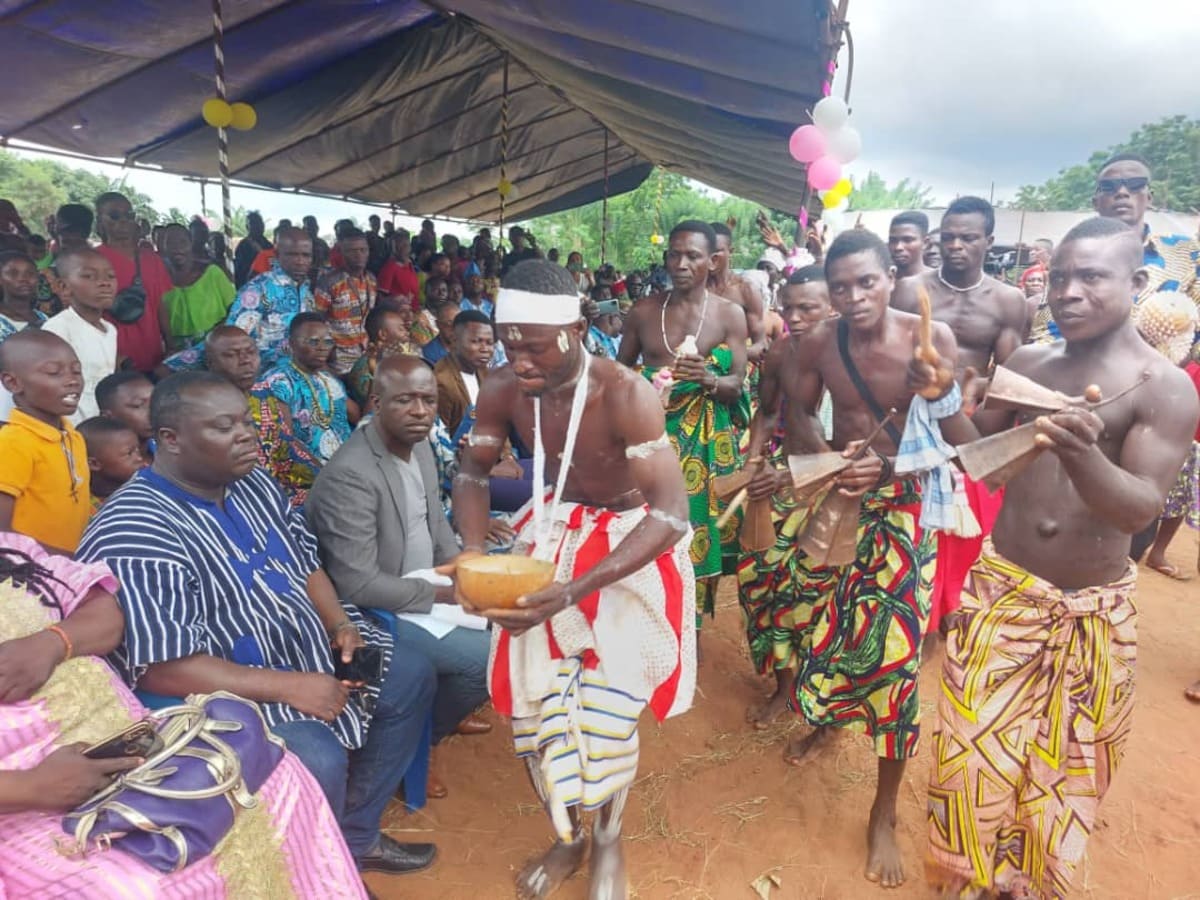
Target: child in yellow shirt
{"x":44,"y":483}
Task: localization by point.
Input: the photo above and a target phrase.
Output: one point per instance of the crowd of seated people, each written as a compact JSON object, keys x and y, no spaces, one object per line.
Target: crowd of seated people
{"x":194,"y":441}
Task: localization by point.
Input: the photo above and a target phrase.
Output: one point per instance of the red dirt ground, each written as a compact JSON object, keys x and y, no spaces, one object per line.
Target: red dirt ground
{"x":715,"y":806}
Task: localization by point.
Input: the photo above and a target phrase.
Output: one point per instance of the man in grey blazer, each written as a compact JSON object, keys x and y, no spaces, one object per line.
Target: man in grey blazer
{"x":377,"y":515}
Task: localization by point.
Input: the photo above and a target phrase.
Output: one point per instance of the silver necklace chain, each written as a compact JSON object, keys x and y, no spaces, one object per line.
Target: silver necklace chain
{"x":663,"y":320}
{"x":960,"y":290}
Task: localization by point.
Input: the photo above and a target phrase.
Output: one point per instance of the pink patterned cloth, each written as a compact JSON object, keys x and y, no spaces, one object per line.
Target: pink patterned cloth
{"x":288,"y":846}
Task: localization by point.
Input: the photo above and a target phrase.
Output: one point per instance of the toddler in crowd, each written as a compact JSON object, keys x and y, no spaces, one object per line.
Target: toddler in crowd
{"x":125,"y":397}
{"x":114,"y":455}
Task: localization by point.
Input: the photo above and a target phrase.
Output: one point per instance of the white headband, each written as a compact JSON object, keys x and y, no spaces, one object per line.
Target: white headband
{"x":536,"y":309}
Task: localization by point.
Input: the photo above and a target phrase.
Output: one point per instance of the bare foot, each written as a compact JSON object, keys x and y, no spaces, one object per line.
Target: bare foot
{"x":1193,"y":692}
{"x":1165,"y":568}
{"x":543,"y":875}
{"x":762,"y":717}
{"x":883,"y":855}
{"x":608,"y":871}
{"x":800,"y":747}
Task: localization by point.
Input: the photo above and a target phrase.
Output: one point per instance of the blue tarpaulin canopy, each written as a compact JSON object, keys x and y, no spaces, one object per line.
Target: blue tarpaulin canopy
{"x":399,"y":101}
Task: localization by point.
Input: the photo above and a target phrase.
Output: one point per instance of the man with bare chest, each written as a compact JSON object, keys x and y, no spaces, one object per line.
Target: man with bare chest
{"x":692,"y":345}
{"x":859,"y":626}
{"x":575,"y":664}
{"x":906,"y":242}
{"x":989,"y":321}
{"x":765,"y":578}
{"x":987,"y":317}
{"x":1038,"y":680}
{"x":724,"y":282}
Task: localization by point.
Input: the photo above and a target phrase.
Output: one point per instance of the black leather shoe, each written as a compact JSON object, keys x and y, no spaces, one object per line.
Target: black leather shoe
{"x":395,"y":858}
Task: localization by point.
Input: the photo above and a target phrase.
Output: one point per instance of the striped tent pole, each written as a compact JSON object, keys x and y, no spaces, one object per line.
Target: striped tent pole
{"x":503,"y":148}
{"x":222,"y":135}
{"x":604,"y":206}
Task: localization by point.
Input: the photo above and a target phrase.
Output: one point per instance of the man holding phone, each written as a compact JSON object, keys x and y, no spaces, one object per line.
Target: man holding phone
{"x":604,"y":323}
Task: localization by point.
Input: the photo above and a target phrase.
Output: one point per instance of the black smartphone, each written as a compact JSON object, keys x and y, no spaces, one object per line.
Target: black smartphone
{"x":140,"y":739}
{"x":366,"y":666}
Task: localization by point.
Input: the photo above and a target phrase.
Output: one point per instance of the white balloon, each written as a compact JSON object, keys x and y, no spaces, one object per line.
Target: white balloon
{"x":845,"y":144}
{"x":830,"y":114}
{"x":835,"y":220}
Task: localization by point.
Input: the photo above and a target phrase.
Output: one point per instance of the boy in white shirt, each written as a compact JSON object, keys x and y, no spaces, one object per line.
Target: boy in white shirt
{"x":87,"y":284}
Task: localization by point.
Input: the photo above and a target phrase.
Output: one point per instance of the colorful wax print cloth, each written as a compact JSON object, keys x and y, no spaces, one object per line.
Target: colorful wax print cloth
{"x":317,"y":402}
{"x":767,"y":589}
{"x":280,"y":452}
{"x":345,"y":300}
{"x":859,"y":627}
{"x":264,"y":309}
{"x":704,"y":432}
{"x":1035,"y":709}
{"x":1183,"y":500}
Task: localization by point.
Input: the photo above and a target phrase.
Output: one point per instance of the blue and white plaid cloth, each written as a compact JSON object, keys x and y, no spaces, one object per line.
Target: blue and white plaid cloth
{"x":923,"y":450}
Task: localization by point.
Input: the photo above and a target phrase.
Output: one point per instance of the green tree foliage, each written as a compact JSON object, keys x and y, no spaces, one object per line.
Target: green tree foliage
{"x":37,"y":187}
{"x":1172,"y":147}
{"x":661,"y":201}
{"x":874,"y":193}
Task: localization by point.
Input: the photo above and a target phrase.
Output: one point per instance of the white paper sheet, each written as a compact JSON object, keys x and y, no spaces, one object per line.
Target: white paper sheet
{"x":443,"y":617}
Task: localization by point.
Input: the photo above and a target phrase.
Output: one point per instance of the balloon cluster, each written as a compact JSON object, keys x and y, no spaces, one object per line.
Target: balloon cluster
{"x":825,"y":146}
{"x":219,"y":114}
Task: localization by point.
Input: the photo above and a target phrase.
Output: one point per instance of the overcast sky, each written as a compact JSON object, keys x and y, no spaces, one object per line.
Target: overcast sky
{"x":961,"y":93}
{"x":955,"y":93}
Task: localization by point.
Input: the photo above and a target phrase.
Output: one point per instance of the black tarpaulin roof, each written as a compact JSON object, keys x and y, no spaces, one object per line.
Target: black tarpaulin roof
{"x":399,"y":101}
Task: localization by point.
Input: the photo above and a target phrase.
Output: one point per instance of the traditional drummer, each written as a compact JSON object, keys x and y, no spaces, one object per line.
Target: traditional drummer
{"x":576,"y":663}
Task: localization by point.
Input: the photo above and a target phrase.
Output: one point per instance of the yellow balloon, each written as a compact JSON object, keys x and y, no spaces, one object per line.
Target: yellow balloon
{"x":656,"y":239}
{"x":834,"y":196}
{"x":244,"y":117}
{"x":504,"y":188}
{"x":217,"y":113}
{"x":844,"y":187}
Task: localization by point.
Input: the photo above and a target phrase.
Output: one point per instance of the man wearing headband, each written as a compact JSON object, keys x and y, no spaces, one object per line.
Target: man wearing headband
{"x":612,"y":634}
{"x":693,"y":347}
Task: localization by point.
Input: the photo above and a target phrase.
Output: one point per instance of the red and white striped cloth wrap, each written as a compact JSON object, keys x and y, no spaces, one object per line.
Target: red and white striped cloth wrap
{"x":636,"y":635}
{"x":576,"y":686}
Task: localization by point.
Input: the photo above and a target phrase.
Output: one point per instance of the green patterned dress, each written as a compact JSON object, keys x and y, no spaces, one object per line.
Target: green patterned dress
{"x":704,"y":433}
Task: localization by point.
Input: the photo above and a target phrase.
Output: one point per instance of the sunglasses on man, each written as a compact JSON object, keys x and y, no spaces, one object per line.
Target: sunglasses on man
{"x":1112,"y":185}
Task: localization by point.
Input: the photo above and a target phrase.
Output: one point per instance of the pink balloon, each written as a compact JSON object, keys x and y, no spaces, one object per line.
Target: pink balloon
{"x":807,"y":143}
{"x":824,"y":173}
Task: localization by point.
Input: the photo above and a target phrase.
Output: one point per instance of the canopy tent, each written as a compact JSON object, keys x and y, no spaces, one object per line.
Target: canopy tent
{"x":399,"y":101}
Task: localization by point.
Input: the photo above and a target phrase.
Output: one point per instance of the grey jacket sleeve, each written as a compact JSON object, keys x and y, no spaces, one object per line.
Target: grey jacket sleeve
{"x":341,"y":511}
